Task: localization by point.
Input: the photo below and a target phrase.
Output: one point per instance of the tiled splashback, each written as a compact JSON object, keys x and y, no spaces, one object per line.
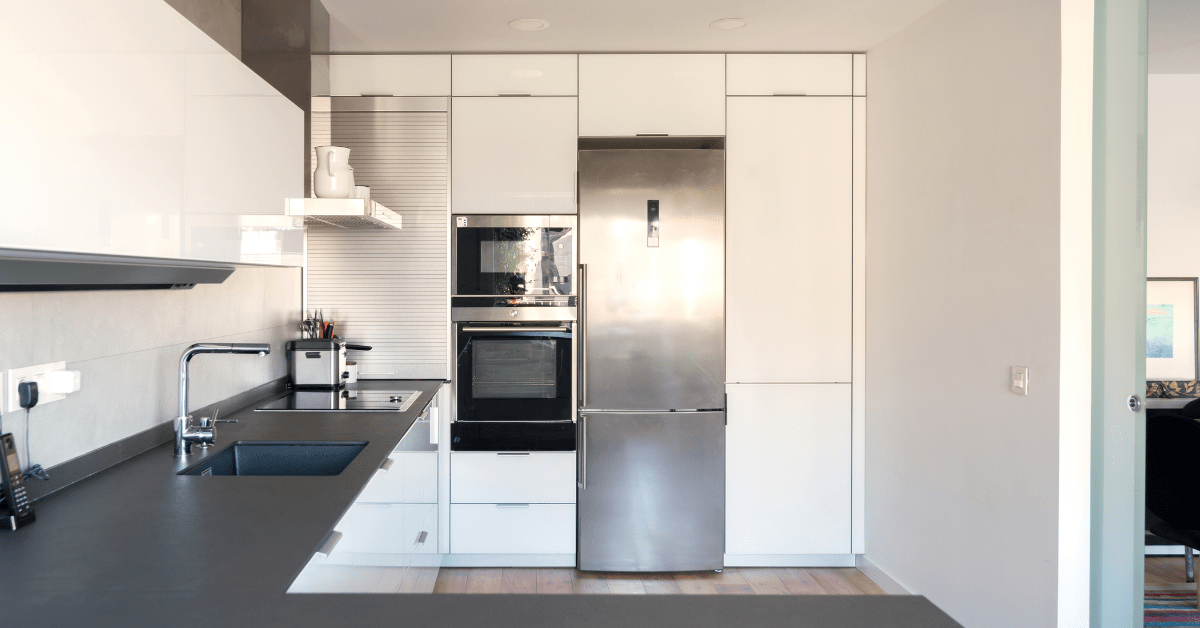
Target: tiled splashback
{"x":127,"y":346}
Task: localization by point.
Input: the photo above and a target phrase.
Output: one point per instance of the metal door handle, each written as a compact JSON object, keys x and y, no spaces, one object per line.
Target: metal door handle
{"x":421,"y":537}
{"x":387,"y":464}
{"x":330,"y":543}
{"x":512,"y":453}
{"x":583,"y":335}
{"x":583,"y":452}
{"x":511,"y":329}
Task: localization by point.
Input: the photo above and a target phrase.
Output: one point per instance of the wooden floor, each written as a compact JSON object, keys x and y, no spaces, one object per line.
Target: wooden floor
{"x":763,"y":581}
{"x":1166,"y":573}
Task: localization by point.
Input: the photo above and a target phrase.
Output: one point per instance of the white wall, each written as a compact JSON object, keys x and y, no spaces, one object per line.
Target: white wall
{"x":1173,"y":176}
{"x":127,"y":346}
{"x":962,"y":283}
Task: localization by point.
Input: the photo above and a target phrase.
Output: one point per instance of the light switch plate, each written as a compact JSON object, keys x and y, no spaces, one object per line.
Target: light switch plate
{"x":1020,"y":380}
{"x":40,"y":374}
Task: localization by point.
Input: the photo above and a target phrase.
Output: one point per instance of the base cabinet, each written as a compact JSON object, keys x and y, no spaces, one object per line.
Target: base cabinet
{"x":787,"y":476}
{"x":512,"y":528}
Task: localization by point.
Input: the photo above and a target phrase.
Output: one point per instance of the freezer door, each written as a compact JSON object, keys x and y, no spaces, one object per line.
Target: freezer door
{"x":651,"y":491}
{"x":652,"y":233}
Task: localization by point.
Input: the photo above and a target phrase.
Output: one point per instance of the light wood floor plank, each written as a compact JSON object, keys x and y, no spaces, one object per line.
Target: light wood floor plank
{"x":625,"y":584}
{"x":518,"y":581}
{"x":763,"y":581}
{"x":730,"y":582}
{"x":587,"y":582}
{"x":696,"y":584}
{"x":451,"y":581}
{"x":659,"y":584}
{"x":799,"y":581}
{"x":860,"y":580}
{"x":834,"y":582}
{"x":555,"y":581}
{"x":484,"y":580}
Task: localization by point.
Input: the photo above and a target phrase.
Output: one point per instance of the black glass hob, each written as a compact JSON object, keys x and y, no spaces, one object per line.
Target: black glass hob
{"x":343,"y":401}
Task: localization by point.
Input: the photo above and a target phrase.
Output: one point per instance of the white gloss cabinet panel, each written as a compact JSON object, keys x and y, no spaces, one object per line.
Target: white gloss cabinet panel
{"x":393,"y":75}
{"x":535,"y":75}
{"x":512,"y":528}
{"x":490,"y":477}
{"x":383,"y":529}
{"x":788,"y":235}
{"x":631,"y":94}
{"x":412,"y":478}
{"x":513,"y":155}
{"x":789,"y":74}
{"x":787,"y":481}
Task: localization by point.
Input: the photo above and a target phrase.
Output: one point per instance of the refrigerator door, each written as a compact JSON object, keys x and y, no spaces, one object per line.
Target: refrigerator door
{"x":652,"y":491}
{"x":652,"y":233}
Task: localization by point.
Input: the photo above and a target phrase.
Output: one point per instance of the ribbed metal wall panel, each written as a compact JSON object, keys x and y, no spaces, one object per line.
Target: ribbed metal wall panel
{"x":389,"y":289}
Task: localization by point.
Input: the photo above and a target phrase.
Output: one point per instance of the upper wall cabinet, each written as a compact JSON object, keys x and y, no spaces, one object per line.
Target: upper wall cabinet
{"x":140,"y":135}
{"x":516,"y":75}
{"x":389,"y":75}
{"x":629,"y":94}
{"x":513,"y":155}
{"x":790,"y":75}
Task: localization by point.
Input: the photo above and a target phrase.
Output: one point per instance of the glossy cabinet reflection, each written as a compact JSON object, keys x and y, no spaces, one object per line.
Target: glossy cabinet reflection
{"x":129,"y":131}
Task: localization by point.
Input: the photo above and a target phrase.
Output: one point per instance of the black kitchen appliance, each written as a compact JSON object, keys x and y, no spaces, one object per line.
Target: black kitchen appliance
{"x":16,"y":509}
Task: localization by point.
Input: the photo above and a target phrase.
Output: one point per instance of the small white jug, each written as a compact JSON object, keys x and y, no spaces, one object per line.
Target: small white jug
{"x":334,"y":177}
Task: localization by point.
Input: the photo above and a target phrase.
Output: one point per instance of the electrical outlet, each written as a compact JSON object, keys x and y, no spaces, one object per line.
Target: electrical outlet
{"x":40,"y":374}
{"x":1020,"y":380}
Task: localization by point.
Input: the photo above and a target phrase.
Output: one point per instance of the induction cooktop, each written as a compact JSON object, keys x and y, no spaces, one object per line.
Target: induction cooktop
{"x":343,"y":401}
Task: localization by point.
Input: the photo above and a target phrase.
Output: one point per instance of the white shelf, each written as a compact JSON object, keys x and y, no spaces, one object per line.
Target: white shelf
{"x":343,"y":213}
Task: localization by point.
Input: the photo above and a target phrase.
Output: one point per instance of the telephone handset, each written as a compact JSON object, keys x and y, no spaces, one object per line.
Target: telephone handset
{"x":13,"y":499}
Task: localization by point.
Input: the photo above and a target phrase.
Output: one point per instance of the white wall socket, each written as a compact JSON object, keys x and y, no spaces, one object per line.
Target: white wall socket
{"x":40,"y":374}
{"x":1020,"y":380}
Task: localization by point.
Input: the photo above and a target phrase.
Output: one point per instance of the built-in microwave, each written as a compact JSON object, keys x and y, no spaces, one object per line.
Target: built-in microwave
{"x":513,"y":268}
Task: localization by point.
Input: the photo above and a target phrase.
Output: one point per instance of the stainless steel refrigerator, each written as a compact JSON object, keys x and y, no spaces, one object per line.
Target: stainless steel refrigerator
{"x":652,"y":380}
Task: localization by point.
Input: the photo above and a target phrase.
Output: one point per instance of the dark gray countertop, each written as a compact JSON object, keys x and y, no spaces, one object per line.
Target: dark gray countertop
{"x":138,"y":545}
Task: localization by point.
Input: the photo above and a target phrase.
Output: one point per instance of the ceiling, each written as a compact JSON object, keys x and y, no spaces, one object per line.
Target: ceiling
{"x":616,"y":25}
{"x":1174,"y":38}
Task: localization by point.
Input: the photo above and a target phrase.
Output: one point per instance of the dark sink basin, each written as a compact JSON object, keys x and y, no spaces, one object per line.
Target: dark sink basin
{"x":279,"y":458}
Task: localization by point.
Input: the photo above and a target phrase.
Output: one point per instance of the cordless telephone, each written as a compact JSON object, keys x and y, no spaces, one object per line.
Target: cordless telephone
{"x":15,"y":509}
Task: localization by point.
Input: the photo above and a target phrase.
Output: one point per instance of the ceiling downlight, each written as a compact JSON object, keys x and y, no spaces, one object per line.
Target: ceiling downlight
{"x":529,"y":24}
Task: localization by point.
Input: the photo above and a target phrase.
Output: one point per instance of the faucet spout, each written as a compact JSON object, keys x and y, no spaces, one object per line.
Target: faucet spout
{"x":185,"y":434}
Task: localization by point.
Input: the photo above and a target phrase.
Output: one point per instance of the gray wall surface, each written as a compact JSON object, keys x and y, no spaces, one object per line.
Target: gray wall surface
{"x":127,"y":344}
{"x":963,"y":283}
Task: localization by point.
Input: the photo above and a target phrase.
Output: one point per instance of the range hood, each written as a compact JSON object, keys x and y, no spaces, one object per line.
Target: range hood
{"x":343,"y":213}
{"x":52,"y":271}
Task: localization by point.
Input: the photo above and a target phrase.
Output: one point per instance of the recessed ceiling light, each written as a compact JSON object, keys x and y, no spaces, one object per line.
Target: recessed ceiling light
{"x":729,"y":23}
{"x":529,"y":24}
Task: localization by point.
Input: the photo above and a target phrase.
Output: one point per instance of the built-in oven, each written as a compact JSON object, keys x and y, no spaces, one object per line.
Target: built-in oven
{"x":513,"y":268}
{"x":514,"y":387}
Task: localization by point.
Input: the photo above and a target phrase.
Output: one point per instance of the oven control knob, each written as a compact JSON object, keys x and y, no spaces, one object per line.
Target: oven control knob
{"x":512,"y":313}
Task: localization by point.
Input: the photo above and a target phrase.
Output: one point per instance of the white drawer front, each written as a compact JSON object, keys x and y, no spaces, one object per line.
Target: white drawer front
{"x":789,"y":74}
{"x":535,"y":478}
{"x":496,"y":75}
{"x":412,"y":478}
{"x":512,"y":528}
{"x":382,"y":529}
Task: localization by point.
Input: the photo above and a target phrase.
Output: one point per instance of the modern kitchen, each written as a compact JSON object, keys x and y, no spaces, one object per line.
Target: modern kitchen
{"x":328,"y":310}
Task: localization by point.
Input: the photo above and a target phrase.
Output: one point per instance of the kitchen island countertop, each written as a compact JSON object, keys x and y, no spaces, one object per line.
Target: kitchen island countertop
{"x":137,"y":545}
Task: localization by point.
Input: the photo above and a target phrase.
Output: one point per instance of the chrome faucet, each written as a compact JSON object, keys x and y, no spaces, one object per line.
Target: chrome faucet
{"x":205,"y":433}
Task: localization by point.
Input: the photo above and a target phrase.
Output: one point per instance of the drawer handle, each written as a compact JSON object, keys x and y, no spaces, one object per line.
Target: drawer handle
{"x":512,"y":453}
{"x":512,"y":505}
{"x":790,"y":94}
{"x":330,"y":543}
{"x":387,"y":464}
{"x":421,"y":537}
{"x":515,"y":94}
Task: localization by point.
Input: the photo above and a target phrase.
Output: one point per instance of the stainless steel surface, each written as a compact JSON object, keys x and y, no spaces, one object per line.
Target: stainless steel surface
{"x":512,"y":453}
{"x":583,"y":451}
{"x":1135,"y":403}
{"x":583,"y":335}
{"x":185,"y":432}
{"x":330,"y":104}
{"x":395,"y":295}
{"x":517,"y":328}
{"x":654,"y":498}
{"x":654,"y":317}
{"x":318,"y":367}
{"x":22,"y":270}
{"x":330,"y":543}
{"x":514,"y":314}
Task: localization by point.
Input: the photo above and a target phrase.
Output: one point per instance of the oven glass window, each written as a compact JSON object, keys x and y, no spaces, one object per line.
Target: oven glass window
{"x":525,"y":368}
{"x":498,"y":261}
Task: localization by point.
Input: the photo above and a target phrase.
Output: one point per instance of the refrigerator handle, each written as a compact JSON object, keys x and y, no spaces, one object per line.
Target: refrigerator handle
{"x":583,"y":336}
{"x":583,"y":452}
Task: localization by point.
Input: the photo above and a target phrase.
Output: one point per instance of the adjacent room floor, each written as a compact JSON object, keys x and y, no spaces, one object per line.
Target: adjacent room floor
{"x":740,"y":581}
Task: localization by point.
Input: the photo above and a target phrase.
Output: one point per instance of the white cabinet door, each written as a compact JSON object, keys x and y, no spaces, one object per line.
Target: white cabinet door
{"x":789,"y":74}
{"x":787,"y":460}
{"x":513,"y":155}
{"x":533,"y":75}
{"x":788,"y":235}
{"x":622,"y":95}
{"x":411,"y":478}
{"x":512,"y":528}
{"x":393,"y":75}
{"x":379,"y":529}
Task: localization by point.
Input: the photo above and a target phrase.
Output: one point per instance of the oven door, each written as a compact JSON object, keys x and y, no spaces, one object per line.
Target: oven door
{"x":513,"y":268}
{"x":515,"y":373}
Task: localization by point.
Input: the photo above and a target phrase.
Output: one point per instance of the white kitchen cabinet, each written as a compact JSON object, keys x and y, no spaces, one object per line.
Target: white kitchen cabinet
{"x":521,"y":477}
{"x":632,"y":94}
{"x":530,"y":75}
{"x":789,"y":74}
{"x":789,"y":239}
{"x":411,"y":477}
{"x":787,"y":481}
{"x":513,"y":155}
{"x":383,"y":534}
{"x":512,"y":528}
{"x":392,"y":75}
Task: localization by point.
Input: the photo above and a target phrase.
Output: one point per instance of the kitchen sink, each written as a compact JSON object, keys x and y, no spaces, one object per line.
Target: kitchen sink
{"x":279,"y":458}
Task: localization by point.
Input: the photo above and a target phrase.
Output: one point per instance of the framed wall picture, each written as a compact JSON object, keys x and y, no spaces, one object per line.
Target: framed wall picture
{"x":1171,"y":326}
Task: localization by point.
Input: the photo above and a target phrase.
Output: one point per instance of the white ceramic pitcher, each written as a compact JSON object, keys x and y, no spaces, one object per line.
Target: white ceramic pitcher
{"x":334,"y":177}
